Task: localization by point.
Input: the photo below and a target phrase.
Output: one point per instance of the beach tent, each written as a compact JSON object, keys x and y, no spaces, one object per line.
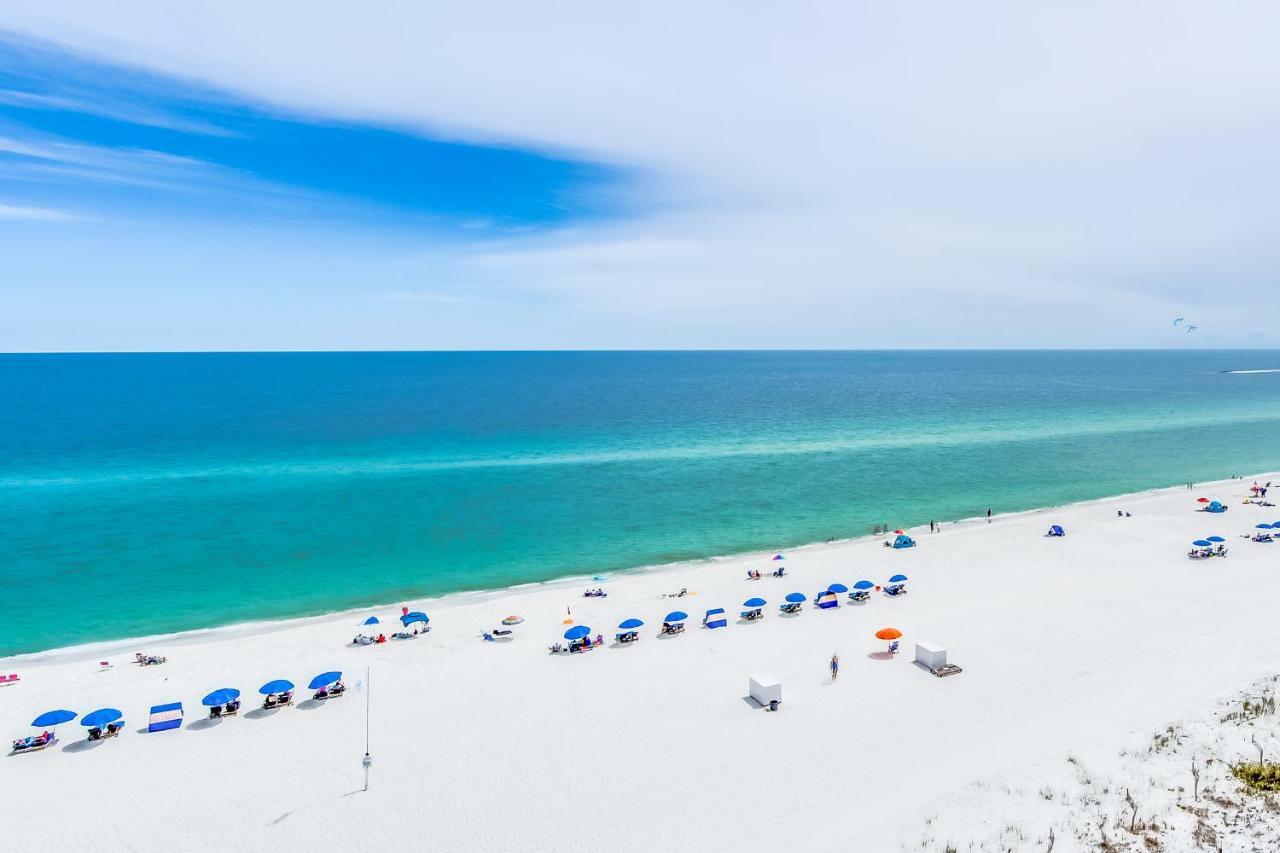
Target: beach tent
{"x":1056,"y":530}
{"x":220,"y":696}
{"x":53,"y":718}
{"x":409,"y":618}
{"x":630,"y":624}
{"x":715,"y":618}
{"x":577,"y":632}
{"x":324,"y":679}
{"x":372,"y":620}
{"x":837,"y":587}
{"x":1215,"y":506}
{"x":864,"y":585}
{"x":165,"y":717}
{"x":826,"y":600}
{"x":904,"y":541}
{"x":280,"y":685}
{"x":675,"y":616}
{"x":779,"y":557}
{"x":100,"y":717}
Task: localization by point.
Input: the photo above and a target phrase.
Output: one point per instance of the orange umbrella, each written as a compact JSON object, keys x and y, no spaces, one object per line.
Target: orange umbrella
{"x":888,"y":634}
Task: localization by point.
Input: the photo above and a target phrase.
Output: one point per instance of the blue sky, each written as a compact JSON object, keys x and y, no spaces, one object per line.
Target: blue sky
{"x":493,"y":175}
{"x":89,"y":139}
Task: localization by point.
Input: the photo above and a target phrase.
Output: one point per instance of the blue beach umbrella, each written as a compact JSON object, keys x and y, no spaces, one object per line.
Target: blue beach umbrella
{"x":675,"y":616}
{"x":577,"y":632}
{"x":837,"y":587}
{"x":221,"y":697}
{"x":754,"y":602}
{"x":100,"y":717}
{"x":795,"y":597}
{"x":324,"y":679}
{"x":372,"y":620}
{"x":53,"y":718}
{"x":864,"y":585}
{"x":280,"y":685}
{"x":409,"y":618}
{"x":1215,"y":539}
{"x":1263,"y":526}
{"x":898,"y":579}
{"x":1202,"y":543}
{"x":630,"y":624}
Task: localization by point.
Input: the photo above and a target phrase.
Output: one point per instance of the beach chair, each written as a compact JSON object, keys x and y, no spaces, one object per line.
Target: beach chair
{"x":555,"y":648}
{"x":113,"y":729}
{"x":231,"y":708}
{"x":33,"y":743}
{"x":6,"y":680}
{"x":715,"y":618}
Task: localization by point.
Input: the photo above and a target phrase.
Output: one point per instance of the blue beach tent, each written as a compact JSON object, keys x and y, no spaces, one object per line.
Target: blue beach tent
{"x":715,"y":618}
{"x":164,"y":717}
{"x":372,"y":620}
{"x":280,"y":685}
{"x":577,"y":632}
{"x":100,"y":717}
{"x":1056,"y":530}
{"x":675,"y":616}
{"x":826,"y":600}
{"x":1215,"y":506}
{"x":53,"y":718}
{"x":904,"y":541}
{"x":837,"y":587}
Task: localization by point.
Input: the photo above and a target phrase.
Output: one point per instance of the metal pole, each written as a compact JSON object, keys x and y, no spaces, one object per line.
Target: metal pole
{"x":367,"y":760}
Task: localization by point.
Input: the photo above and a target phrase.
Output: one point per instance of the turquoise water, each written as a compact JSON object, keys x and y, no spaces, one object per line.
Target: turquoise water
{"x":152,"y":493}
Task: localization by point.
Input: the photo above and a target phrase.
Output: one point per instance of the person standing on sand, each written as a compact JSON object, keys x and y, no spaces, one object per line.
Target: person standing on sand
{"x":835,"y":666}
{"x":988,"y":515}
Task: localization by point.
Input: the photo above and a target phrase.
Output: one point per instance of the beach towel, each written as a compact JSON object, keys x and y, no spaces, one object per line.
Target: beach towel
{"x":165,"y":717}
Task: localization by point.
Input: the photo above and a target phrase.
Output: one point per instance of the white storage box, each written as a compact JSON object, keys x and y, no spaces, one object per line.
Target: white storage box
{"x":931,"y":655}
{"x":765,"y":689}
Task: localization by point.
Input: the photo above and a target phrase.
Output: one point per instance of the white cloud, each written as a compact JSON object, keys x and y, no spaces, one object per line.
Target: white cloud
{"x":823,"y":173}
{"x":36,"y":214}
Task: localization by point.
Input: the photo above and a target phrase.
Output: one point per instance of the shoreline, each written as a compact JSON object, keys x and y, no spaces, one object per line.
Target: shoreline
{"x":451,"y":600}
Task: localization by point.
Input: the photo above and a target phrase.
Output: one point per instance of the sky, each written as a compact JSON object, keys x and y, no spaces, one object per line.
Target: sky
{"x":513,"y":175}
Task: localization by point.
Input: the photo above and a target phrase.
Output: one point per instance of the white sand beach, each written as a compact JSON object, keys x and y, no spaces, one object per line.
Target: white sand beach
{"x":1082,"y":643}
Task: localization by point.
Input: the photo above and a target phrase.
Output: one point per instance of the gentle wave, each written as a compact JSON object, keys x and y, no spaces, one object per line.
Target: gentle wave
{"x":1263,"y":370}
{"x":321,"y":468}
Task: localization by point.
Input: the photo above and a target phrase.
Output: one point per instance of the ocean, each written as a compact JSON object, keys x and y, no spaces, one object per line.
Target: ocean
{"x":148,"y":493}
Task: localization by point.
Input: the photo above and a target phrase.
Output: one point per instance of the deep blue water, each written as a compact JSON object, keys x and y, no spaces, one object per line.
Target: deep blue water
{"x":149,"y":493}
